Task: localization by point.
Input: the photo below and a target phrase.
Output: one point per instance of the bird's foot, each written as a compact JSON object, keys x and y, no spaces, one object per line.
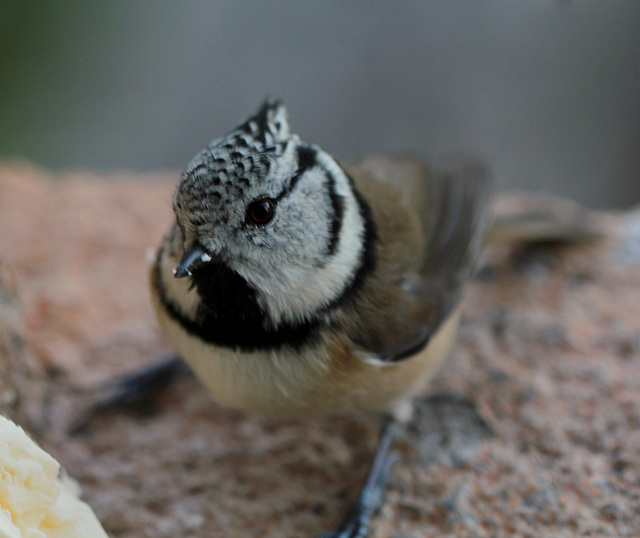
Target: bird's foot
{"x":356,"y":525}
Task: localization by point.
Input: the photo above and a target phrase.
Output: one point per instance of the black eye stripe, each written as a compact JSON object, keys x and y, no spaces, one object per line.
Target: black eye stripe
{"x":336,"y":214}
{"x":306,"y":159}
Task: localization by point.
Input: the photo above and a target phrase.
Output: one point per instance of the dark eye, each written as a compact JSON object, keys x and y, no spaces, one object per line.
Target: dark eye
{"x":261,"y":211}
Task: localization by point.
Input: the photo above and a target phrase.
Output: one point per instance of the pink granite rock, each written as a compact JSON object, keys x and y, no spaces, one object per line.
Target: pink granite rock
{"x":534,"y":430}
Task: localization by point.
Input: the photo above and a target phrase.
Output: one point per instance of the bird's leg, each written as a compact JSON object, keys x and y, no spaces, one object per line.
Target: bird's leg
{"x":134,"y":389}
{"x":356,"y":524}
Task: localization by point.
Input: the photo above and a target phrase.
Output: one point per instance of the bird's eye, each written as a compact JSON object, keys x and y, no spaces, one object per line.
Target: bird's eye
{"x":261,"y":212}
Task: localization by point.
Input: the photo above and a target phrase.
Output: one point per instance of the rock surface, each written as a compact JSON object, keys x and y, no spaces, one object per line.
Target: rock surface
{"x":534,"y":430}
{"x":22,"y":384}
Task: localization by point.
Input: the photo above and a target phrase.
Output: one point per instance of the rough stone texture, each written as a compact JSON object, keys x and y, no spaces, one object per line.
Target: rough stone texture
{"x":534,"y":429}
{"x":22,"y":384}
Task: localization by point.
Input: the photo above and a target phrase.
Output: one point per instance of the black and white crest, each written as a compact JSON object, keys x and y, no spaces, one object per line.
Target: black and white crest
{"x":225,"y":169}
{"x":279,"y":216}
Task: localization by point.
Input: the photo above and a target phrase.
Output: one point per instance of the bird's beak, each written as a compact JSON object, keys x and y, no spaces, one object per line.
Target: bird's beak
{"x":193,"y":259}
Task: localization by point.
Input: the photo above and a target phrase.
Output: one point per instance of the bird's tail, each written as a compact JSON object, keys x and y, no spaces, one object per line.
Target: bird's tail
{"x":542,"y":218}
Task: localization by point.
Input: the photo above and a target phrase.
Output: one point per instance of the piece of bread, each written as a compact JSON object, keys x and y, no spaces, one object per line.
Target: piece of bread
{"x":36,"y":501}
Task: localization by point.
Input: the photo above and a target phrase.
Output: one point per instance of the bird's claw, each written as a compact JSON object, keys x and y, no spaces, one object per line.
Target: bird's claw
{"x":357,"y":523}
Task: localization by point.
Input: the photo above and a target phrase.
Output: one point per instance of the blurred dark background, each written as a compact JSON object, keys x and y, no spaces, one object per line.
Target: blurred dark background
{"x":548,"y":92}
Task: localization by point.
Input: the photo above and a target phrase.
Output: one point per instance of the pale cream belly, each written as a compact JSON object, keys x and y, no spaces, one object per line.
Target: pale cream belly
{"x":290,"y":384}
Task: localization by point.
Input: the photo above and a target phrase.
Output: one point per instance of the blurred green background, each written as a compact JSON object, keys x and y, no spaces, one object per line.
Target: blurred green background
{"x":548,"y":92}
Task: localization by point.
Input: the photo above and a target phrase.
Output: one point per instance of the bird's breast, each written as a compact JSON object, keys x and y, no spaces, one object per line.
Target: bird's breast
{"x":326,"y":374}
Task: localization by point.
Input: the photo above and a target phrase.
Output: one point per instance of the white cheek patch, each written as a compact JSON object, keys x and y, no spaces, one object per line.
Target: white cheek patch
{"x":296,"y":289}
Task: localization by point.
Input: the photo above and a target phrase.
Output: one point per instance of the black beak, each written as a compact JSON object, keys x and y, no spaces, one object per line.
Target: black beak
{"x":193,"y":259}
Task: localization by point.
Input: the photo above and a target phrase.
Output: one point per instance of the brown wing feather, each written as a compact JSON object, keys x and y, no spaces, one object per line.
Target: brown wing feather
{"x":449,"y":202}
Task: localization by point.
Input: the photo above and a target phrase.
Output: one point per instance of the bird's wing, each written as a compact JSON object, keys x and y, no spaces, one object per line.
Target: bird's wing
{"x":451,"y":199}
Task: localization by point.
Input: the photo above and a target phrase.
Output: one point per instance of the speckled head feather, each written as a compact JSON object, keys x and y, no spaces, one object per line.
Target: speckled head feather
{"x":313,"y":245}
{"x":228,"y":166}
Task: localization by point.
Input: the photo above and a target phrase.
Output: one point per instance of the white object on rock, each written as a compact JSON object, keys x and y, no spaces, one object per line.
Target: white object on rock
{"x":35,"y":500}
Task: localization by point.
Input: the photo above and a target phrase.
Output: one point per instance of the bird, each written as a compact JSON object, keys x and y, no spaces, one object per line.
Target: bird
{"x":295,"y":285}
